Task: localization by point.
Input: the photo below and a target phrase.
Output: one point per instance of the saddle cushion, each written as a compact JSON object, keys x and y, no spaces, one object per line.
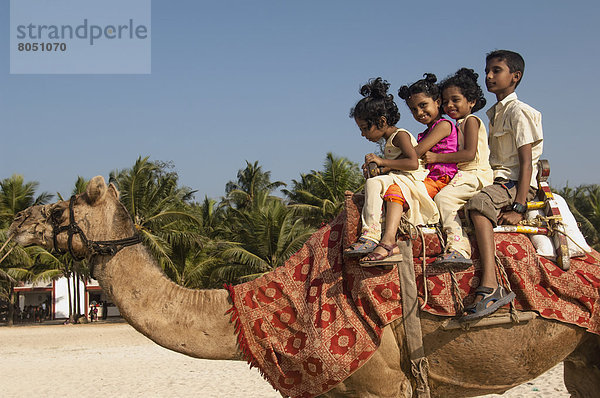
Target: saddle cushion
{"x":352,"y":230}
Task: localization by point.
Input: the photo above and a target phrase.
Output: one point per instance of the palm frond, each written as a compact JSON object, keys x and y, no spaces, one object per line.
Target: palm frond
{"x":243,"y":256}
{"x":48,"y":275}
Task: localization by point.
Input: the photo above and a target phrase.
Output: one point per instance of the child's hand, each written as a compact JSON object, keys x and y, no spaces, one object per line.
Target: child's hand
{"x":510,"y":218}
{"x":371,"y":157}
{"x":430,"y":157}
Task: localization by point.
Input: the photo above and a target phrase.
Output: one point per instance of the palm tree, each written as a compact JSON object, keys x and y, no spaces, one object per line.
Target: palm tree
{"x":262,"y":237}
{"x":584,"y":203}
{"x":159,"y":207}
{"x":50,"y":267}
{"x":228,"y":229}
{"x":13,"y":269}
{"x":201,"y":261}
{"x":250,"y":181}
{"x":319,"y":195}
{"x":15,"y":195}
{"x":212,"y":215}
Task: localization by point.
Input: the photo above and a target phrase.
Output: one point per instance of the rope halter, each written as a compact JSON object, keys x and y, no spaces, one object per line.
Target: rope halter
{"x":95,"y":247}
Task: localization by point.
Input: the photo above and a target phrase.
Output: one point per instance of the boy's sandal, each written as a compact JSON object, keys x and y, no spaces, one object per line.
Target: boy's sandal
{"x":360,"y":247}
{"x":453,"y":258}
{"x":491,"y":301}
{"x":376,"y":259}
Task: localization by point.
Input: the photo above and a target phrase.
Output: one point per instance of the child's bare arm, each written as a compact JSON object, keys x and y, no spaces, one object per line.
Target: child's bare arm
{"x":408,"y":161}
{"x":525,"y":170}
{"x":471,"y":132}
{"x":439,"y":132}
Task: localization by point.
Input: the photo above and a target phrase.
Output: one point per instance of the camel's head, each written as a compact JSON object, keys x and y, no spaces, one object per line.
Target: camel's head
{"x":97,"y":212}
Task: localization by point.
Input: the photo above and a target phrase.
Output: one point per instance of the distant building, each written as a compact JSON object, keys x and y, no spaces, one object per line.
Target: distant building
{"x":54,"y":296}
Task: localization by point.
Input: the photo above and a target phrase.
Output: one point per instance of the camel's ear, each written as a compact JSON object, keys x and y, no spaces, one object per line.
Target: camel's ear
{"x":96,"y":189}
{"x":113,"y":190}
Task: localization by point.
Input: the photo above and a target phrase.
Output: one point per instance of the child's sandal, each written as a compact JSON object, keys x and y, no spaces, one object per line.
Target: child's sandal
{"x":491,"y":301}
{"x":376,"y":259}
{"x":454,"y":258}
{"x":360,"y":247}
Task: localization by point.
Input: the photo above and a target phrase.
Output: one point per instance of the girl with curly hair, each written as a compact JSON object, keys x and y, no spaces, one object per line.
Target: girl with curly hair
{"x":461,"y":96}
{"x":376,"y":115}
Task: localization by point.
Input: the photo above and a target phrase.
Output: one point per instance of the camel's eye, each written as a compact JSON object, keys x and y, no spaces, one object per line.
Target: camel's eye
{"x":56,"y":214}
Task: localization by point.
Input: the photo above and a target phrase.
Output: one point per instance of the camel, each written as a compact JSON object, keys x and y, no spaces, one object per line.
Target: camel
{"x":194,"y":322}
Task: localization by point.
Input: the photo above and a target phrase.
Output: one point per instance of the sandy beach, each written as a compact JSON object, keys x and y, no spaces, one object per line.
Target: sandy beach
{"x":113,"y":360}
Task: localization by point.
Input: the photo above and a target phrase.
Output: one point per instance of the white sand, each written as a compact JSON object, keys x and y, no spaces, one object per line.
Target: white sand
{"x":113,"y":360}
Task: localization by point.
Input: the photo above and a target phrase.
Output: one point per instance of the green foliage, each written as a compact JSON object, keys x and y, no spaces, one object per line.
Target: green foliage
{"x":249,"y":233}
{"x":584,"y":203}
{"x":159,"y":207}
{"x":250,"y":181}
{"x":318,"y":197}
{"x":261,"y":238}
{"x":17,"y":195}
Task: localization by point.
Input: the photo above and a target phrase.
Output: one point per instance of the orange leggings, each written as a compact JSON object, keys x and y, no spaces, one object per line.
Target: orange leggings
{"x":394,"y":193}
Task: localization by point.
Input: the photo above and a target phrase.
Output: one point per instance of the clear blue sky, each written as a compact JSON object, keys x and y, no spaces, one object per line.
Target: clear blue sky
{"x":273,"y":81}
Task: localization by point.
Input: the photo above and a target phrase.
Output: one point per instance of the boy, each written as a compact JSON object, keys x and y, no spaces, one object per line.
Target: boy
{"x":515,"y":140}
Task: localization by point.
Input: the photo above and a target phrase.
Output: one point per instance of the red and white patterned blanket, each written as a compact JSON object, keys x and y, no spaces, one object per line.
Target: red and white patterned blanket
{"x":314,"y":321}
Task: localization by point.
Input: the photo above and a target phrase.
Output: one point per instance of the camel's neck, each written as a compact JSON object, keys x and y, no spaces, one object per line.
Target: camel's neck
{"x":193,"y":322}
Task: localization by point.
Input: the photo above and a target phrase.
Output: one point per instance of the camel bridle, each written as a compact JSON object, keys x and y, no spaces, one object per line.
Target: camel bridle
{"x":95,"y":247}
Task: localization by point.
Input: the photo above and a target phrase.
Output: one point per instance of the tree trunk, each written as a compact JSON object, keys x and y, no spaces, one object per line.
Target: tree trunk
{"x":75,"y":309}
{"x":71,"y":319}
{"x":76,"y":290}
{"x":11,"y":304}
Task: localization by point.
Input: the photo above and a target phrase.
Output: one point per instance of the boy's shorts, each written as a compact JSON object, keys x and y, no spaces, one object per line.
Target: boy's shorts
{"x":495,"y":198}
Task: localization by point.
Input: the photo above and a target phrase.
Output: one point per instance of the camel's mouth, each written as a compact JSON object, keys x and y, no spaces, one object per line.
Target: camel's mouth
{"x":26,"y":231}
{"x":27,"y":238}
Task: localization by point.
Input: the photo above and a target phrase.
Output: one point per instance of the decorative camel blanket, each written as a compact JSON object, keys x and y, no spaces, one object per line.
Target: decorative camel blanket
{"x":311,"y":323}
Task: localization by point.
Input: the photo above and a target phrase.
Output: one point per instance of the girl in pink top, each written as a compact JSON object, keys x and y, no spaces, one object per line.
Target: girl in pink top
{"x":423,"y":98}
{"x":447,"y":144}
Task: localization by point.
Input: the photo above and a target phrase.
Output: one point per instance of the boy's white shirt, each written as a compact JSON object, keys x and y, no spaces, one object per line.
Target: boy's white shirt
{"x":513,"y":124}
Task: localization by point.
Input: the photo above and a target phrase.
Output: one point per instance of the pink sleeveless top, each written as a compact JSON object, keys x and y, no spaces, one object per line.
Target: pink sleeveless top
{"x":446,"y":145}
